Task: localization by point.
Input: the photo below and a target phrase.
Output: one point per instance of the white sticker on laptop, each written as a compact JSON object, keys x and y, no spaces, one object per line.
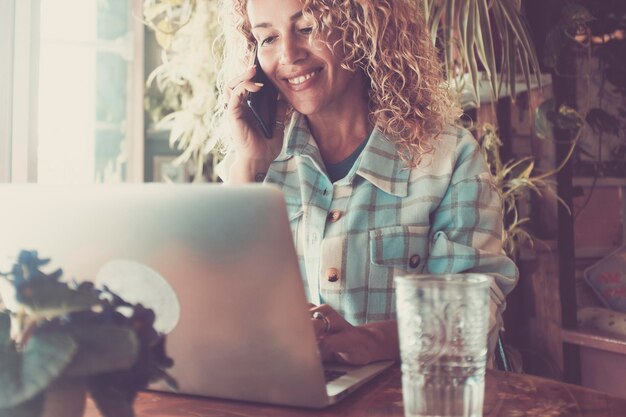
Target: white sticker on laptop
{"x":137,"y":283}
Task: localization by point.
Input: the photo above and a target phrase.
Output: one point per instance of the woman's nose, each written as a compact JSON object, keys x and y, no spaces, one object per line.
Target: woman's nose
{"x":291,"y":51}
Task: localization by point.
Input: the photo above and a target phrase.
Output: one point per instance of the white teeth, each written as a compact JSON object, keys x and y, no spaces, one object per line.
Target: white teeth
{"x":300,"y":79}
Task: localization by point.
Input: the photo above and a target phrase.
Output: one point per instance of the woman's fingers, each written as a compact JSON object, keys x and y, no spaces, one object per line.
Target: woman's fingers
{"x":327,"y":321}
{"x":245,"y":76}
{"x":347,"y":347}
{"x":279,"y":130}
{"x":243,"y":80}
{"x":339,"y":340}
{"x":318,"y":326}
{"x":320,"y":319}
{"x":239,"y":94}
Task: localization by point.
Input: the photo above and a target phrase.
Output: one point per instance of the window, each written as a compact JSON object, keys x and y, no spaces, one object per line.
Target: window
{"x":7,"y":13}
{"x":77,"y":92}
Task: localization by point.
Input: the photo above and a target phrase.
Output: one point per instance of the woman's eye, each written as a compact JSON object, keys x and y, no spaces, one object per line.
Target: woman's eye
{"x":268,"y":40}
{"x":307,"y":30}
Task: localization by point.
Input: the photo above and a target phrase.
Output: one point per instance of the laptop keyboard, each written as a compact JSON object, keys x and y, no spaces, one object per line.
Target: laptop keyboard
{"x":332,"y":375}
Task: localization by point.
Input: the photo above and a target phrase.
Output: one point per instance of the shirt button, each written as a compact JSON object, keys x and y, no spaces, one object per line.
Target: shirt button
{"x":332,"y":274}
{"x":334,"y":215}
{"x":414,"y":261}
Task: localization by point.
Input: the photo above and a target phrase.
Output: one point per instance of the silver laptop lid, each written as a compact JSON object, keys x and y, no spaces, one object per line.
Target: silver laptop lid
{"x":241,"y":329}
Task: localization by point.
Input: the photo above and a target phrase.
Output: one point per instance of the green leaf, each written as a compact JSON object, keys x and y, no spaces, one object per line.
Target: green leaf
{"x":5,"y":331}
{"x":522,"y":34}
{"x":48,"y":298}
{"x":507,"y":55}
{"x":542,"y":126}
{"x":448,"y":31}
{"x":525,"y":69}
{"x":433,"y":22}
{"x":469,"y":49}
{"x":530,"y":165}
{"x":101,"y":348}
{"x":24,"y":375}
{"x":486,"y":50}
{"x":31,"y":408}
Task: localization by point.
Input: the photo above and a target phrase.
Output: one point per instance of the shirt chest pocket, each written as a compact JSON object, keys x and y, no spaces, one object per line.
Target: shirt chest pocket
{"x":394,"y":251}
{"x":295,"y":213}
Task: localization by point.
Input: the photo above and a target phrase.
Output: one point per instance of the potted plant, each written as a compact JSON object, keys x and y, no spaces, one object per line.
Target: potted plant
{"x":57,"y":336}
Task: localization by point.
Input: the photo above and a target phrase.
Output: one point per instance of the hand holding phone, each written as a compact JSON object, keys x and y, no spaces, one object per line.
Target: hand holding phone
{"x":263,"y":103}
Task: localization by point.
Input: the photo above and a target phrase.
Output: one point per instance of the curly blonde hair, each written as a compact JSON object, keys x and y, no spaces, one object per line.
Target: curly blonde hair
{"x":389,"y":41}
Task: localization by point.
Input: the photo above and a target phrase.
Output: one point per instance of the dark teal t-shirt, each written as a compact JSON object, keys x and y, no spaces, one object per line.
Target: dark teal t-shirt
{"x":340,"y":169}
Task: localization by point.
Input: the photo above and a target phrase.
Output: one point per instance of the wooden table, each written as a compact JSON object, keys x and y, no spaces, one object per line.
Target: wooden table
{"x":506,"y":395}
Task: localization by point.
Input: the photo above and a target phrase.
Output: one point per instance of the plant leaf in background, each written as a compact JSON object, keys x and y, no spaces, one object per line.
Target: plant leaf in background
{"x":114,"y":392}
{"x":5,"y":332}
{"x":464,"y":30}
{"x":44,"y":295}
{"x":191,"y":58}
{"x":24,"y":375}
{"x":102,"y":348}
{"x":48,"y":298}
{"x":515,"y":180}
{"x":30,"y":408}
{"x":602,"y":122}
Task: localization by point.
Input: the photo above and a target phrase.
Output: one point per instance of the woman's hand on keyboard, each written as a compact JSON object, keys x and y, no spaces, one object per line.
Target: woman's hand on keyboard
{"x":340,"y":341}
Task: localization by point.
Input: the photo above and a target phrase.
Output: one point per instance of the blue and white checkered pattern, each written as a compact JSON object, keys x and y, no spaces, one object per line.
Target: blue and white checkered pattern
{"x":442,"y":217}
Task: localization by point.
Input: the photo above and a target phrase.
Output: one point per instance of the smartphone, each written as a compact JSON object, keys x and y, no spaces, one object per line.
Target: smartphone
{"x":263,"y":102}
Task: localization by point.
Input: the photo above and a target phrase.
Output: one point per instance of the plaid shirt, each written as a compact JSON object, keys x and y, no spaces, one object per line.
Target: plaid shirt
{"x":383,"y":220}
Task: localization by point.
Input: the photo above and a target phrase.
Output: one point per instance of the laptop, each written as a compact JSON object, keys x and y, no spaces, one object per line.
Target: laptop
{"x":215,"y":262}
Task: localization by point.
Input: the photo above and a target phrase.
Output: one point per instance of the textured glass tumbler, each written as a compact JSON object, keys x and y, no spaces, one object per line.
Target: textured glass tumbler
{"x":443,"y":322}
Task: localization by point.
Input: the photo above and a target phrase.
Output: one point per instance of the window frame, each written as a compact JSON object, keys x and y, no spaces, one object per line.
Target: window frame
{"x":19,"y":79}
{"x":7,"y":38}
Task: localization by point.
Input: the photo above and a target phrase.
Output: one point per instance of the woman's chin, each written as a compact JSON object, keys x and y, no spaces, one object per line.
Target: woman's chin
{"x":305,"y":108}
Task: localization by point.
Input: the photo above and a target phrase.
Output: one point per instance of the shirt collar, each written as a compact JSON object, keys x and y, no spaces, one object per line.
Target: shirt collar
{"x":299,"y":141}
{"x":378,"y":163}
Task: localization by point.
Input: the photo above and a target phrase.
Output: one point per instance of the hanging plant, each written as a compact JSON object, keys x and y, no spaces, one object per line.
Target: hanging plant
{"x":487,"y":34}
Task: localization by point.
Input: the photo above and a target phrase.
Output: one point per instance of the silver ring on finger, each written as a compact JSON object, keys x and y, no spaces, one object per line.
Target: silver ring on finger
{"x":280,"y":124}
{"x":319,"y":316}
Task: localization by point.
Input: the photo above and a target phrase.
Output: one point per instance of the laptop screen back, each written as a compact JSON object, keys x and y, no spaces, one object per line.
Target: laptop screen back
{"x":239,"y":323}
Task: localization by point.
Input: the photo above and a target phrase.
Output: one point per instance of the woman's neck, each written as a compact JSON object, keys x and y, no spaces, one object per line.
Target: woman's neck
{"x":339,"y":131}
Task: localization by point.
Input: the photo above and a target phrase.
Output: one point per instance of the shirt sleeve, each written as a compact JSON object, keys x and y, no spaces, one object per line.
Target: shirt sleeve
{"x":467,"y":227}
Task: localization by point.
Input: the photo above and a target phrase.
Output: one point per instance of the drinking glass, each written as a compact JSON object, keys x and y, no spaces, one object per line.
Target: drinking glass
{"x":443,"y":322}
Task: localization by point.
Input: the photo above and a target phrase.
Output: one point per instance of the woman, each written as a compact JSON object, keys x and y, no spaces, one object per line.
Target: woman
{"x":377,"y":180}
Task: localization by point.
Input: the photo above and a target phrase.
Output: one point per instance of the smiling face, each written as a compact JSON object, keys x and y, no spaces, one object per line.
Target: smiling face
{"x":307,"y":73}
